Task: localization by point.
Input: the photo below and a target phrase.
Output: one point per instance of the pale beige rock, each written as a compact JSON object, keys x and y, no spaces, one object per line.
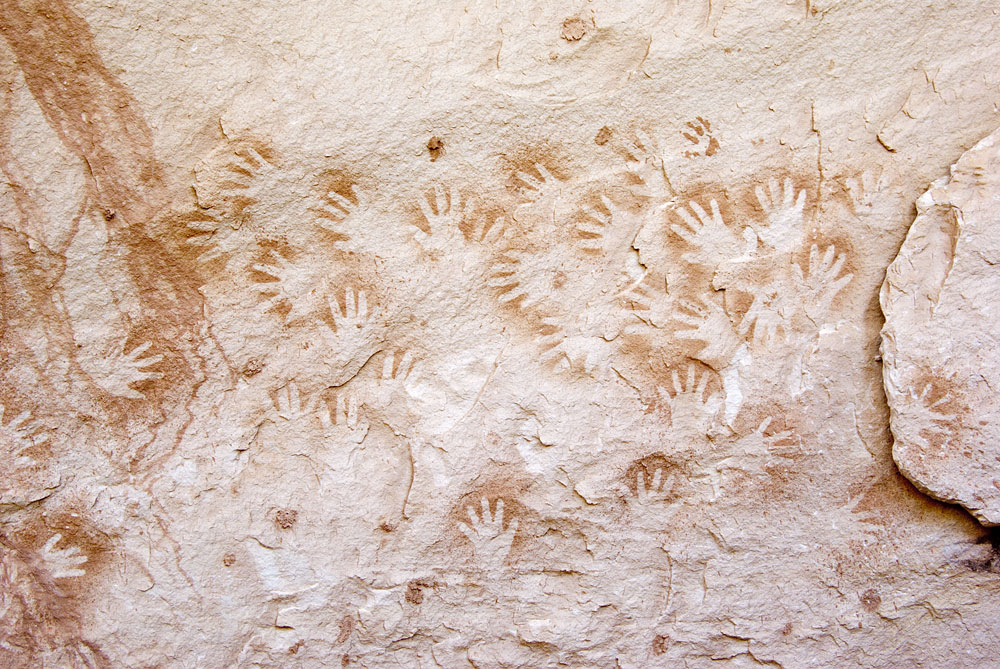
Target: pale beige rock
{"x":479,"y":334}
{"x":941,"y":340}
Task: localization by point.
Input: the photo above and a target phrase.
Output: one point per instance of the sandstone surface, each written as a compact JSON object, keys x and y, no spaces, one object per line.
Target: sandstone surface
{"x":475,"y":334}
{"x":941,"y":341}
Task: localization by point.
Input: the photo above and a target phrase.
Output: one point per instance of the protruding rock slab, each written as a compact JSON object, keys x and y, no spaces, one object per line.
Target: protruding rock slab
{"x":941,"y":340}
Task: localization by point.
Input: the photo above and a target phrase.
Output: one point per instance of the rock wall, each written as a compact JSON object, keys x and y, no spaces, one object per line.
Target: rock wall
{"x":479,"y":334}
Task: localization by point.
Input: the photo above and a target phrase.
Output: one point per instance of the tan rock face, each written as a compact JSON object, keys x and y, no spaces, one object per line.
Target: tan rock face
{"x":941,"y":342}
{"x":479,"y":335}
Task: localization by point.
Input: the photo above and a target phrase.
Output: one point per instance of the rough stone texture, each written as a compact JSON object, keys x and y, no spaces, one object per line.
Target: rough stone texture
{"x":479,"y":334}
{"x":941,"y":340}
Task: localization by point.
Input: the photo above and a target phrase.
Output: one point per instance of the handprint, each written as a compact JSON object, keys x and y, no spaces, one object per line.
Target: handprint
{"x":291,"y":406}
{"x":701,"y":136}
{"x":783,"y":228}
{"x":608,"y":233}
{"x":395,"y":378}
{"x":691,"y":412}
{"x":820,"y":281}
{"x":709,"y":324}
{"x":491,"y":542}
{"x":536,"y":188}
{"x":766,"y":314}
{"x":864,"y":189}
{"x":757,"y":443}
{"x":353,"y":325}
{"x":649,"y":302}
{"x":62,"y":563}
{"x":923,"y":417}
{"x":19,"y":435}
{"x":657,"y":493}
{"x":645,"y":161}
{"x":294,"y":288}
{"x":444,"y":215}
{"x":711,"y":238}
{"x":345,"y":421}
{"x":348,"y":219}
{"x":116,"y":371}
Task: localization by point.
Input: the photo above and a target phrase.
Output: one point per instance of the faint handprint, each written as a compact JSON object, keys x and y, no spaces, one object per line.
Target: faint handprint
{"x":345,"y":422}
{"x":117,"y":370}
{"x":865,"y":188}
{"x":924,"y":420}
{"x":444,"y":215}
{"x":821,"y":282}
{"x":649,"y":303}
{"x":645,"y":161}
{"x":711,"y":238}
{"x":292,"y":407}
{"x":62,"y":563}
{"x":709,"y":324}
{"x":490,"y":540}
{"x":294,"y":287}
{"x":783,"y":228}
{"x":398,"y":375}
{"x":691,"y":411}
{"x":536,"y":188}
{"x":19,"y":435}
{"x":768,"y":312}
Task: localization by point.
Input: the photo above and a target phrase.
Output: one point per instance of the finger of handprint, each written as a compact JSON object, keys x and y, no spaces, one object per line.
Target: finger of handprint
{"x":405,"y":365}
{"x":694,"y":225}
{"x":678,"y":388}
{"x":789,"y":192}
{"x":683,"y":233}
{"x":800,"y":201}
{"x":657,"y":480}
{"x":18,"y":419}
{"x":139,"y":350}
{"x":350,"y":304}
{"x":498,"y":516}
{"x":50,"y":544}
{"x":699,"y":212}
{"x":546,"y":175}
{"x":148,"y":362}
{"x":775,"y":192}
{"x":763,"y":425}
{"x":640,"y":484}
{"x":340,"y":418}
{"x":512,"y":527}
{"x":487,"y":517}
{"x":598,"y":217}
{"x":690,"y":377}
{"x":529,"y":181}
{"x":609,"y":205}
{"x":474,"y":520}
{"x":645,"y":141}
{"x":335,"y":198}
{"x":716,"y":214}
{"x":294,"y":401}
{"x":387,"y":364}
{"x":325,"y":419}
{"x":467,"y":531}
{"x":702,"y":384}
{"x":692,"y":335}
{"x":426,"y":210}
{"x":837,"y":264}
{"x":765,"y":204}
{"x":362,"y":314}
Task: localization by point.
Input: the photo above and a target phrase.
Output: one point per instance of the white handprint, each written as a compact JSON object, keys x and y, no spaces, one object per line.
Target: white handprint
{"x":711,"y":238}
{"x":820,"y":281}
{"x":709,"y":324}
{"x":491,"y":542}
{"x":444,"y":215}
{"x":923,"y":417}
{"x":62,"y":563}
{"x":783,"y":228}
{"x":354,"y":326}
{"x":691,"y":412}
{"x":116,"y":371}
{"x":757,"y":443}
{"x":19,"y":435}
{"x":394,"y":380}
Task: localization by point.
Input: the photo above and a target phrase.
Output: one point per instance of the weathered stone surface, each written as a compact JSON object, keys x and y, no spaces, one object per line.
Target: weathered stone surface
{"x":478,"y":334}
{"x":941,"y":340}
